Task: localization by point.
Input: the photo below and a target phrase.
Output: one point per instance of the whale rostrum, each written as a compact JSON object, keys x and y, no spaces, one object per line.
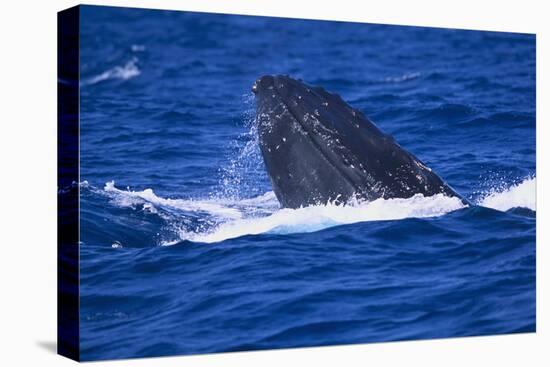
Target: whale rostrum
{"x":317,"y":149}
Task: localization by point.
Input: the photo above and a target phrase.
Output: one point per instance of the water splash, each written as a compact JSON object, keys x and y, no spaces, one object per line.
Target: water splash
{"x":129,"y":198}
{"x":521,"y":195}
{"x":231,"y":218}
{"x":222,"y":218}
{"x":315,"y":218}
{"x":244,"y":172}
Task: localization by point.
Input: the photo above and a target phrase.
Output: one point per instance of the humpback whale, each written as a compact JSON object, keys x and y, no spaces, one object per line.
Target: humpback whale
{"x":317,"y":149}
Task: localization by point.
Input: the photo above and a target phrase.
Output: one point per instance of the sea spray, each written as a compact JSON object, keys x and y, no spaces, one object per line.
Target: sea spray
{"x":243,"y":174}
{"x":521,"y":195}
{"x":233,"y":217}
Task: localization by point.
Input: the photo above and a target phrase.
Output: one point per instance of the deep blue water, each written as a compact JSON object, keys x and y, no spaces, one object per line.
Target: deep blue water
{"x":183,"y":247}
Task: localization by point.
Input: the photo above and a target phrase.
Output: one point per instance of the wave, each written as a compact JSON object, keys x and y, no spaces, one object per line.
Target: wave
{"x":125,"y":72}
{"x":521,"y":195}
{"x":128,"y":198}
{"x":262,"y":214}
{"x":235,"y":217}
{"x":315,"y":218}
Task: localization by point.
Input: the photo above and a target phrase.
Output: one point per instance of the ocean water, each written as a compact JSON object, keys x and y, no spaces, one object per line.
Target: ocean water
{"x":184,"y":248}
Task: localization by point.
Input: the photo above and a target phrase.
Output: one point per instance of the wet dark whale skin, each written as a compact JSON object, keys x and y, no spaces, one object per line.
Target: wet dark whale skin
{"x":317,"y":149}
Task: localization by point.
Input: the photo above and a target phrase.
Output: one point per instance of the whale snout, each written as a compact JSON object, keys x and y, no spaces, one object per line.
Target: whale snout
{"x":318,"y":149}
{"x":263,"y":83}
{"x":269,"y":83}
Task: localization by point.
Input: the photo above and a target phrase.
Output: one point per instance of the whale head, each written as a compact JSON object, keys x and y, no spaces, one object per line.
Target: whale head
{"x":317,"y":149}
{"x":302,"y":133}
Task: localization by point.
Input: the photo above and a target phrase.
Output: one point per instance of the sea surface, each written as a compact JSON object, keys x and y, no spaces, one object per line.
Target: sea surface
{"x":184,"y":248}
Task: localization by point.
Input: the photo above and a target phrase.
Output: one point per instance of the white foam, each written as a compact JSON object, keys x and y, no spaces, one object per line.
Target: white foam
{"x":240,"y":217}
{"x":127,"y":198}
{"x":402,"y":78}
{"x":315,"y":218}
{"x":125,"y":72}
{"x":522,"y":195}
{"x":138,"y":48}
